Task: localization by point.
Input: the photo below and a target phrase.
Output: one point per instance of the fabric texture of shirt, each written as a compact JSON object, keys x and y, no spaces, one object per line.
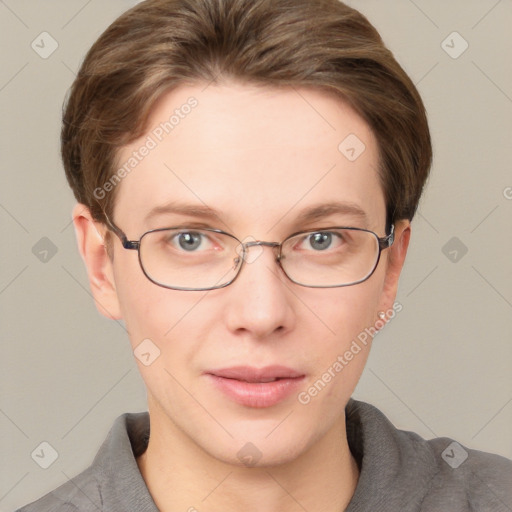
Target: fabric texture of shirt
{"x":399,"y":471}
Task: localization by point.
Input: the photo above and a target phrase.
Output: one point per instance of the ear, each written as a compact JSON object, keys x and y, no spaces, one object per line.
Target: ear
{"x":90,"y":238}
{"x":395,"y":261}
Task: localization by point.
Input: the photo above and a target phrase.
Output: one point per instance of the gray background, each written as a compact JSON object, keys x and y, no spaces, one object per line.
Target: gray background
{"x":442,"y":367}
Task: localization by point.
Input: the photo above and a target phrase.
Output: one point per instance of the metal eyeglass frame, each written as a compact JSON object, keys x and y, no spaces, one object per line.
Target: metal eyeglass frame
{"x":384,"y":243}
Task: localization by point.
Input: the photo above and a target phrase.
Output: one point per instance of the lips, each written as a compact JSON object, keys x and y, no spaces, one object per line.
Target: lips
{"x":251,"y":374}
{"x":256,"y":387}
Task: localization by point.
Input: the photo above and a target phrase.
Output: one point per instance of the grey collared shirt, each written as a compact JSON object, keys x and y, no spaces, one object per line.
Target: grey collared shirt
{"x":399,"y":471}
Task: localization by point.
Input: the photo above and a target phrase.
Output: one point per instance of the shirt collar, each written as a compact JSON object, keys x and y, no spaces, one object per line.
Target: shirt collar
{"x":122,"y":487}
{"x":396,"y":467}
{"x":387,"y":459}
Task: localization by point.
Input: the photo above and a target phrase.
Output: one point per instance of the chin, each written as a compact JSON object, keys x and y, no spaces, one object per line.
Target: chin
{"x":259,"y":446}
{"x":253,"y":455}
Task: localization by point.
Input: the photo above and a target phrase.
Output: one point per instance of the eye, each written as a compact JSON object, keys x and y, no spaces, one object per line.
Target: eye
{"x":323,"y":240}
{"x":189,"y":241}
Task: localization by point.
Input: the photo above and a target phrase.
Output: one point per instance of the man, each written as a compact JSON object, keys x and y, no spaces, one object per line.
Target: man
{"x":246,"y":174}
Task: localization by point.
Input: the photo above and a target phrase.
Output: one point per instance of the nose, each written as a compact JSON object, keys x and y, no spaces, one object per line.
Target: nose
{"x":260,"y":301}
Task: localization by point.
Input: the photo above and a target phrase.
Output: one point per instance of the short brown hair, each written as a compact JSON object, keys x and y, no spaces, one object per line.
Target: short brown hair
{"x":161,"y":44}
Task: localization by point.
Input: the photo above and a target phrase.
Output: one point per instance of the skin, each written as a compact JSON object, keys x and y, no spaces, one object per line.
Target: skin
{"x":258,"y":156}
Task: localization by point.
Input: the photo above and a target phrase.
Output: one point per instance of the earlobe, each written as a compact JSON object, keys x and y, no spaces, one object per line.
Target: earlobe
{"x":91,"y":245}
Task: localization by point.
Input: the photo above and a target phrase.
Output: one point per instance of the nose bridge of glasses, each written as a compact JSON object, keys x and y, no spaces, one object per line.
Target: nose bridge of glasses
{"x":276,"y":246}
{"x":260,"y":242}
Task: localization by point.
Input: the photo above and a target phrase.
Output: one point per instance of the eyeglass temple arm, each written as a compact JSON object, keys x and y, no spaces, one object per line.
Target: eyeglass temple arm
{"x":388,"y":240}
{"x":127,"y":244}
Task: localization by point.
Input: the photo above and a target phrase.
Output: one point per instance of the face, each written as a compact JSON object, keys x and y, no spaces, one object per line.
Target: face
{"x":259,"y":157}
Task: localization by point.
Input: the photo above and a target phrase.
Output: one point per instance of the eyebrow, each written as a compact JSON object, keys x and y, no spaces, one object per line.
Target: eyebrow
{"x":309,"y":214}
{"x":317,"y":212}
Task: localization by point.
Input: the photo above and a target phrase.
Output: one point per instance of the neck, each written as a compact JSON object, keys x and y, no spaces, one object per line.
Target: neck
{"x":181,"y":476}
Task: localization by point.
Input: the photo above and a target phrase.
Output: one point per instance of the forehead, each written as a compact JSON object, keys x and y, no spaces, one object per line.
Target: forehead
{"x":256,"y":155}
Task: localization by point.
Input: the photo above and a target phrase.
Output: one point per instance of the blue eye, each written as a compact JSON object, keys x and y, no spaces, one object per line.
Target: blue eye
{"x":320,"y":241}
{"x":189,"y":241}
{"x":323,"y":240}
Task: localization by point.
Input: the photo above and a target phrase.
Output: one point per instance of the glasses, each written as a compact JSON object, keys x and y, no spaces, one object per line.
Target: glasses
{"x":186,"y":258}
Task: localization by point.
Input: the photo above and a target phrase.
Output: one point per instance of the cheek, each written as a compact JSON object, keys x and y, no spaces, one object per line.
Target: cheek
{"x":151,"y":311}
{"x":136,"y":297}
{"x":342,"y":326}
{"x":345,"y":312}
{"x":165,"y":332}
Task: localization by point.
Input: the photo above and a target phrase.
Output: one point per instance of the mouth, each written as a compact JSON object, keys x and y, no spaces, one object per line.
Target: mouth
{"x":256,"y":387}
{"x":252,"y":374}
